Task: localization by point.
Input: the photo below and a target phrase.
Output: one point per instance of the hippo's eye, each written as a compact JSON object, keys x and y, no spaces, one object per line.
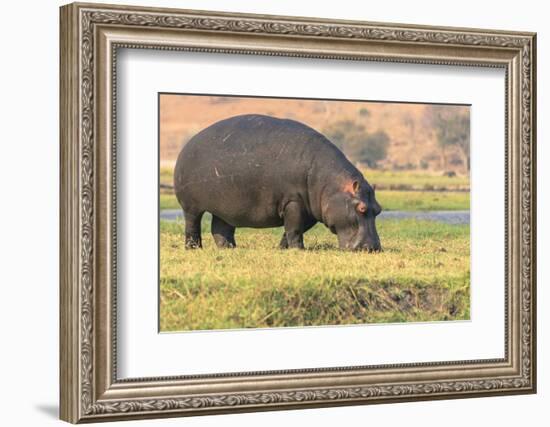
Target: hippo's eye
{"x":362,"y":207}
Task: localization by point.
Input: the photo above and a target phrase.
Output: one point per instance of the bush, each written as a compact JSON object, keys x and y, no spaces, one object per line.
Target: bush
{"x":357,"y":144}
{"x":452,"y":128}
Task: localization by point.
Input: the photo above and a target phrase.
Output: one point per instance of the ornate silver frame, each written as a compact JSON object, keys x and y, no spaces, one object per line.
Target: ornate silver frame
{"x":90,"y":36}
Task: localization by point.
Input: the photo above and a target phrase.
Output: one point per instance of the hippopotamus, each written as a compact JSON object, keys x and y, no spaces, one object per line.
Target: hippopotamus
{"x":260,"y":171}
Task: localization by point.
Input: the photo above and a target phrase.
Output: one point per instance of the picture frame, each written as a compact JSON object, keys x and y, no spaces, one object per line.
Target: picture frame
{"x":91,"y":35}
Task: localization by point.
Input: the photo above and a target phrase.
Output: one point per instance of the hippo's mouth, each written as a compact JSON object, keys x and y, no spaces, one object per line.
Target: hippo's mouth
{"x":365,"y":238}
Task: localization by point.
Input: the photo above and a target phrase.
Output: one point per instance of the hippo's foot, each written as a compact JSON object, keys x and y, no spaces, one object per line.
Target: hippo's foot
{"x":193,"y":242}
{"x":224,"y":244}
{"x":223,"y":233}
{"x":296,"y":241}
{"x":193,"y":238}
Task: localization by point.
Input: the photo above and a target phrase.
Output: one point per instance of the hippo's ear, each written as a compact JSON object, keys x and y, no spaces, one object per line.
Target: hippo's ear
{"x":355,"y":186}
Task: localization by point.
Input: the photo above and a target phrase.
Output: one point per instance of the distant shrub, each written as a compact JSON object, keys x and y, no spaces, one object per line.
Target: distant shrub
{"x":452,"y":129}
{"x":403,"y":167}
{"x":357,"y":144}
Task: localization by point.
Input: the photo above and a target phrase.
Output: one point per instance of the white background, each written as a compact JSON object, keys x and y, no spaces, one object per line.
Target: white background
{"x":145,"y":353}
{"x":29,"y":169}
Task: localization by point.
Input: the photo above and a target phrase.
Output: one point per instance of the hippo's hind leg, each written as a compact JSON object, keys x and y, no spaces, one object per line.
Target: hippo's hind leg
{"x":193,"y":238}
{"x":223,"y":233}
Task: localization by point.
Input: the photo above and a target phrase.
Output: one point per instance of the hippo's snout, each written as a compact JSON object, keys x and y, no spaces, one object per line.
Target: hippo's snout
{"x":367,"y":246}
{"x":366,"y":238}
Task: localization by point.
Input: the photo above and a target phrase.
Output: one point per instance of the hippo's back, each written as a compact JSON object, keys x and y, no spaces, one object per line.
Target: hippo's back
{"x":244,"y":169}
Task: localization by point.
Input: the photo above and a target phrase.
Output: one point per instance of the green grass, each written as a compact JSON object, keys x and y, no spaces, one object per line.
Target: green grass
{"x":390,"y":200}
{"x":423,"y":274}
{"x":413,"y":180}
{"x":167,"y":176}
{"x":423,"y":200}
{"x":168,"y":201}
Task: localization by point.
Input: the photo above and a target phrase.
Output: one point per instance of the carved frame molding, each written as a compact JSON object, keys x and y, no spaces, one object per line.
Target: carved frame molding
{"x":90,"y":36}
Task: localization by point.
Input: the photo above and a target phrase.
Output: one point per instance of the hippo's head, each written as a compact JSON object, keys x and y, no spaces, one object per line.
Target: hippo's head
{"x":351,"y":214}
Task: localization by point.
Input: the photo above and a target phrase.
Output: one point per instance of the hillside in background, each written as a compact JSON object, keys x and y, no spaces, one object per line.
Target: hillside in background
{"x":411,"y":135}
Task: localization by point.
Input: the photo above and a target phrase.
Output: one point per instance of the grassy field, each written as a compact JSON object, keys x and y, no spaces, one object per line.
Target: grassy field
{"x":412,"y":180}
{"x":423,"y":274}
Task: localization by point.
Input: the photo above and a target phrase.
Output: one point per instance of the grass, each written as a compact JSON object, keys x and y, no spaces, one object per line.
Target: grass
{"x":423,"y":200}
{"x":422,"y":275}
{"x":390,"y":200}
{"x":414,"y":180}
{"x":166,"y":175}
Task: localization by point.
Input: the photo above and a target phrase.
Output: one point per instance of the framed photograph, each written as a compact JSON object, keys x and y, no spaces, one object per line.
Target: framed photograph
{"x":265,"y":212}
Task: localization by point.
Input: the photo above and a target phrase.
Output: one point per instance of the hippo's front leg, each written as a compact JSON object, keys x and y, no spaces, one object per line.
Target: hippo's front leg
{"x":308,"y":223}
{"x":294,"y":218}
